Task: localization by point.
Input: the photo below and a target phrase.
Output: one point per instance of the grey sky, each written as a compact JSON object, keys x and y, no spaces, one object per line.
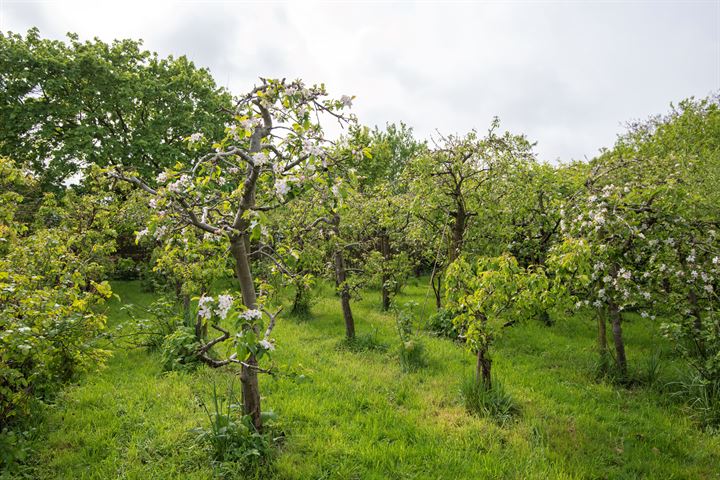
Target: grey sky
{"x":567,"y":74}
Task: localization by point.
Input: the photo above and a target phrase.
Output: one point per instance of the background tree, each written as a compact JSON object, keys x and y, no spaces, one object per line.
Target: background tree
{"x":458,"y":180}
{"x":65,"y":106}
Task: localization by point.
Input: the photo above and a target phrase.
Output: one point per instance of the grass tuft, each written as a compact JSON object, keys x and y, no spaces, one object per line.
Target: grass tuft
{"x":493,"y":402}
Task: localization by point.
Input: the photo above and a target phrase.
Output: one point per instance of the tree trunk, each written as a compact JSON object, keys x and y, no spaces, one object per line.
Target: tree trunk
{"x":437,"y":290}
{"x":458,"y":232}
{"x":697,"y":323}
{"x":301,"y":302}
{"x":385,"y":251}
{"x":248,"y":374}
{"x":483,"y":368}
{"x":602,"y":340}
{"x":341,"y":281}
{"x":616,"y":320}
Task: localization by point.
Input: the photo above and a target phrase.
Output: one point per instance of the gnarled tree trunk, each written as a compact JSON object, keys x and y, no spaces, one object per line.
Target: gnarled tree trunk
{"x":437,"y":289}
{"x":385,"y":251}
{"x":483,"y":368}
{"x":248,"y":374}
{"x":341,"y":281}
{"x":602,"y":340}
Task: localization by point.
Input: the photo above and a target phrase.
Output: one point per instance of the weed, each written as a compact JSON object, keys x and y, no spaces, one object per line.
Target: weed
{"x":231,"y":435}
{"x":493,"y":402}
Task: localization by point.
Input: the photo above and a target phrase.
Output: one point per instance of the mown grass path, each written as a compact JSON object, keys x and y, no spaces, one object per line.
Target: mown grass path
{"x":357,"y":416}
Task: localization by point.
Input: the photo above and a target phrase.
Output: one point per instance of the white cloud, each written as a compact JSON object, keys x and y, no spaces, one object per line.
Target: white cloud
{"x":567,"y":74}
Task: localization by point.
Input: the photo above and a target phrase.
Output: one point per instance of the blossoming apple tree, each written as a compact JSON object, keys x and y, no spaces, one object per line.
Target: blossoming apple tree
{"x":273,"y":151}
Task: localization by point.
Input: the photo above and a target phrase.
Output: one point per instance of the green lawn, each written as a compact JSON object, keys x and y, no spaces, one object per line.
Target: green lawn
{"x":358,"y":416}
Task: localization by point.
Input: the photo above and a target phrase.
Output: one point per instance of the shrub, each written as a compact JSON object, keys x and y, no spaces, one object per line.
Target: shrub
{"x":14,"y":449}
{"x":302,"y":302}
{"x":126,"y":269}
{"x":49,"y":322}
{"x":412,"y":350}
{"x":179,"y":350}
{"x":149,"y":326}
{"x":493,"y":402}
{"x":441,"y":324}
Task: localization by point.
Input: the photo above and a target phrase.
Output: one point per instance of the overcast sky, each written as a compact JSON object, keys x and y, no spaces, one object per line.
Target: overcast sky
{"x":567,"y":74}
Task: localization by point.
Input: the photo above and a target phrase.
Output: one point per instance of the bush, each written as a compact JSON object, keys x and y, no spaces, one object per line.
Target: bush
{"x":148,"y":327}
{"x":48,"y":327}
{"x":412,"y":350}
{"x":492,"y":402}
{"x":179,"y":350}
{"x":14,"y":449}
{"x":302,"y":302}
{"x":125,"y":269}
{"x":441,"y":324}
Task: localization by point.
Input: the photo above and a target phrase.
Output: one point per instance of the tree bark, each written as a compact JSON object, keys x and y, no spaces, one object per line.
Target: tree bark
{"x":616,"y":320}
{"x":385,"y":251}
{"x":248,"y":374}
{"x":300,"y":301}
{"x":437,"y":290}
{"x":341,"y":281}
{"x":458,"y":232}
{"x":483,"y":368}
{"x":697,"y":323}
{"x":602,"y":340}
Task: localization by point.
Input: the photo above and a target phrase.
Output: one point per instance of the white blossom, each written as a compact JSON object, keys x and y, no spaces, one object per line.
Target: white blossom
{"x":252,"y":314}
{"x":260,"y":159}
{"x":224,"y":304}
{"x":180,"y":184}
{"x":267,"y":345}
{"x":196,"y":137}
{"x":233,"y":131}
{"x":205,"y":307}
{"x":282,"y":187}
{"x":160,"y":232}
{"x":141,"y":234}
{"x":346,"y":100}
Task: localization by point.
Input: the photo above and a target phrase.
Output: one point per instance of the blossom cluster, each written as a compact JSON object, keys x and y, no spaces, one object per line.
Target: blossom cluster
{"x":222,"y":306}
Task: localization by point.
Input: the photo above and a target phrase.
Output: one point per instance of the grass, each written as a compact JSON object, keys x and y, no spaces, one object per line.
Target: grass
{"x":351,"y":413}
